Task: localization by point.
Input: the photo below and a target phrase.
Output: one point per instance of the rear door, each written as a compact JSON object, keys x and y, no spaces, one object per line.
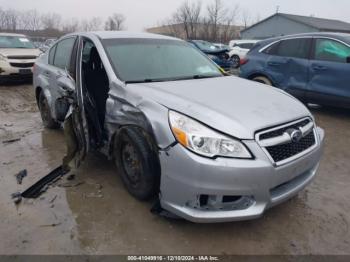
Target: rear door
{"x":288,"y":65}
{"x":329,"y":73}
{"x":62,"y":62}
{"x":57,"y":70}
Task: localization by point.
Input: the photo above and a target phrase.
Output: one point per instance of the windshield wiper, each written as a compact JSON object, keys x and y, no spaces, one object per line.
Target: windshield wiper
{"x":205,"y":76}
{"x":150,"y":80}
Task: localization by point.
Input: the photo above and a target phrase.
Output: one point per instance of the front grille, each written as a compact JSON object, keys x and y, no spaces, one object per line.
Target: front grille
{"x":282,"y":143}
{"x":283,"y":152}
{"x":280,"y":132}
{"x":22,"y":65}
{"x":23,"y":57}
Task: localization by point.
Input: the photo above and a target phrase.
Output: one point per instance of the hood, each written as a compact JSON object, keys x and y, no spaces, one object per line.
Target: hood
{"x":19,"y":52}
{"x":232,"y":105}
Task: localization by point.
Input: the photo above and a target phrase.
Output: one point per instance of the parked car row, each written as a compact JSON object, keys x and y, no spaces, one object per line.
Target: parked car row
{"x":314,"y":67}
{"x":218,"y":55}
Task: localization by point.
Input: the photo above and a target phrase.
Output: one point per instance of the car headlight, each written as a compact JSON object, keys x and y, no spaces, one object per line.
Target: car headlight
{"x":2,"y":57}
{"x":203,"y":140}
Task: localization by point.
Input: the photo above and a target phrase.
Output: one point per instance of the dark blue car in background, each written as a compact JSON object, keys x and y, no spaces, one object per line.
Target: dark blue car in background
{"x":218,"y":55}
{"x":315,"y":67}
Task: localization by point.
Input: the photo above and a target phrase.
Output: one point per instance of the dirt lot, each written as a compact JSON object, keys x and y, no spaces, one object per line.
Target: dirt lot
{"x":94,"y":214}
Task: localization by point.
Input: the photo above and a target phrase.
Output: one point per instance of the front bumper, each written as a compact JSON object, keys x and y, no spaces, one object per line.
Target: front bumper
{"x":200,"y":189}
{"x":14,"y":69}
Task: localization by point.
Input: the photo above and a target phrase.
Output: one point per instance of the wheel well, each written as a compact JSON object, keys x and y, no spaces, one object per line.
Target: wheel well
{"x":38,"y":90}
{"x":150,"y":138}
{"x":251,"y":77}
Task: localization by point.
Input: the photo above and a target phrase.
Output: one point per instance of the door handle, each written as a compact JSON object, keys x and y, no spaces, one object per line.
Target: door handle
{"x":274,"y":64}
{"x":319,"y":68}
{"x":47,"y":73}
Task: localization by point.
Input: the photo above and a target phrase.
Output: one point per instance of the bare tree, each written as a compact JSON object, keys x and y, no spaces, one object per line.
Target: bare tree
{"x":228,"y":30}
{"x":10,"y":20}
{"x":71,"y":26}
{"x":31,"y":20}
{"x":217,"y":13}
{"x":115,"y":22}
{"x":246,"y":18}
{"x":188,"y":15}
{"x":51,"y":21}
{"x":93,"y":24}
{"x":2,"y":20}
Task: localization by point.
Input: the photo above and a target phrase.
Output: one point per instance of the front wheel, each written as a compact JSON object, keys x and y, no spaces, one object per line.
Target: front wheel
{"x":137,"y":162}
{"x":45,"y":113}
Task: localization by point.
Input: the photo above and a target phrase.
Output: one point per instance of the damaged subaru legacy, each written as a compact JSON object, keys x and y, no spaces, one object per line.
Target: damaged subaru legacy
{"x":212,"y":147}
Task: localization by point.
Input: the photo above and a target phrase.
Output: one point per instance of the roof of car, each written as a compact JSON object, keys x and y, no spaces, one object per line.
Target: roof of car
{"x":341,"y":36}
{"x":11,"y":34}
{"x":127,"y":34}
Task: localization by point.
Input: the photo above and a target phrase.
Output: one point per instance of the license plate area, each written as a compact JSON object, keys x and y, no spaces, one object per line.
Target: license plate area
{"x":24,"y":71}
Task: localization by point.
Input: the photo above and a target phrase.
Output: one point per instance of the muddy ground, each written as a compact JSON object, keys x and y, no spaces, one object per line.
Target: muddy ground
{"x":94,"y":214}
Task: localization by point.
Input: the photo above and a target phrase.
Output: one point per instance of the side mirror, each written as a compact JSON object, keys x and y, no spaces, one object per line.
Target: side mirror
{"x":348,"y":59}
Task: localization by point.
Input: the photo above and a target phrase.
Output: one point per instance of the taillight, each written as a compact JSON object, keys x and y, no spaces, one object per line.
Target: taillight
{"x":243,"y":61}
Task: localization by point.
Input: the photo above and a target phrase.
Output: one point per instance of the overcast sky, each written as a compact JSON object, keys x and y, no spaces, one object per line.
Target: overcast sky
{"x":147,"y":13}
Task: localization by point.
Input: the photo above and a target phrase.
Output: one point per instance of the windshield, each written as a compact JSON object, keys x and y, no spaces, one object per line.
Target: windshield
{"x":151,"y":60}
{"x":15,"y":42}
{"x":204,"y":45}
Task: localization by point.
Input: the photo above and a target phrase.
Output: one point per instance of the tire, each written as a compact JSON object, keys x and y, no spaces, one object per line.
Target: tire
{"x":45,"y":113}
{"x":137,"y":163}
{"x":263,"y":80}
{"x":236,"y":61}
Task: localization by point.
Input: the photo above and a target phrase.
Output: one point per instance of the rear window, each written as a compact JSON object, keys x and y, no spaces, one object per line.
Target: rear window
{"x":296,"y":48}
{"x":63,"y":52}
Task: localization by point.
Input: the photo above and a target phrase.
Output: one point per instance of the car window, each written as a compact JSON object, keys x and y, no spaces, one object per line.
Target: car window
{"x":63,"y":52}
{"x":272,"y":49}
{"x":86,"y":51}
{"x":52,"y":55}
{"x":247,"y":45}
{"x":330,"y":50}
{"x":297,"y":48}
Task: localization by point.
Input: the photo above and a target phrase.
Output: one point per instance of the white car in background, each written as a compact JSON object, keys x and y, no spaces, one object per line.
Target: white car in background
{"x":17,"y":56}
{"x":239,"y":49}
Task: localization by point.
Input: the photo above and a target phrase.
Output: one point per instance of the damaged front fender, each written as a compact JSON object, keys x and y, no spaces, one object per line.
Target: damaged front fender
{"x":129,"y":109}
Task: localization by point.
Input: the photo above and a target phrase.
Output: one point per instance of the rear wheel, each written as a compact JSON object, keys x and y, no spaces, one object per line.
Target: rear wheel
{"x":137,"y":162}
{"x":45,"y":112}
{"x":263,"y":80}
{"x":236,"y":61}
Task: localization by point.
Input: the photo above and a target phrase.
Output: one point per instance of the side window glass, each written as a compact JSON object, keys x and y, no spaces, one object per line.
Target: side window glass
{"x":86,"y":51}
{"x":272,"y":50}
{"x":332,"y":51}
{"x":52,"y":55}
{"x":297,"y":48}
{"x":247,"y":46}
{"x":63,"y":52}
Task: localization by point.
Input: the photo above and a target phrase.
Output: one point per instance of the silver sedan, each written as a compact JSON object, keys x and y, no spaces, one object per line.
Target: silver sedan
{"x":210,"y":147}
